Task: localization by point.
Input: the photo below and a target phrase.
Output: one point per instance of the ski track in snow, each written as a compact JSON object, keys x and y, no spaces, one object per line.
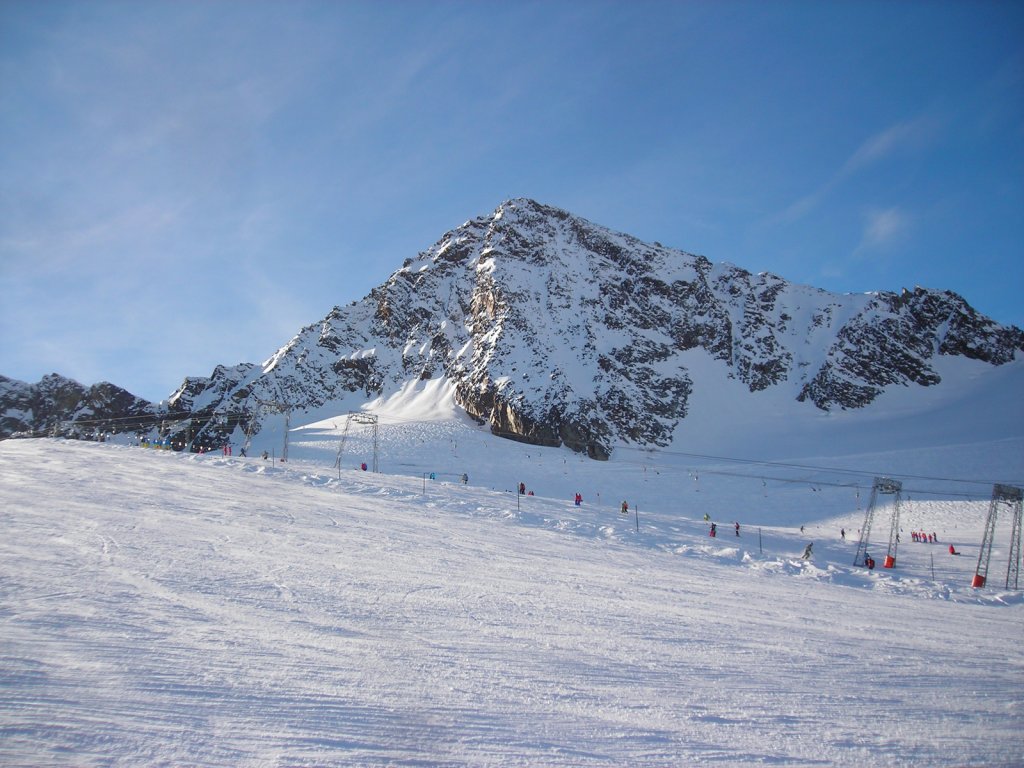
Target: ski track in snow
{"x":162,"y":609}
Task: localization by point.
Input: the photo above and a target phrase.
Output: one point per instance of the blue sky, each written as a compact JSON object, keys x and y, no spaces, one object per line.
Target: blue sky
{"x":187,"y":184}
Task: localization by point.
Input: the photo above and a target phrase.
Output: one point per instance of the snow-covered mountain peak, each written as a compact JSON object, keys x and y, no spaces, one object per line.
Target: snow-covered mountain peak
{"x":557,"y":331}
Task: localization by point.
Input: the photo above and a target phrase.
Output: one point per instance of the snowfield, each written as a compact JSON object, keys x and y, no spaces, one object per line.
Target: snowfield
{"x":168,"y":609}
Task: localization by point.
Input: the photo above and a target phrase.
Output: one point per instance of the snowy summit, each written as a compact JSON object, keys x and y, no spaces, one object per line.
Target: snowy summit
{"x":556,"y":331}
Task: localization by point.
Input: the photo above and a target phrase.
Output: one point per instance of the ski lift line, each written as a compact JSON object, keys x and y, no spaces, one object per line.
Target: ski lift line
{"x":802,"y":480}
{"x":153,"y":421}
{"x":146,"y":420}
{"x":138,"y":421}
{"x":784,"y":465}
{"x":176,"y":416}
{"x":792,"y":480}
{"x":803,"y":467}
{"x":399,"y":420}
{"x":166,"y":416}
{"x":820,"y":483}
{"x":158,"y":421}
{"x":141,"y":420}
{"x":787,"y":465}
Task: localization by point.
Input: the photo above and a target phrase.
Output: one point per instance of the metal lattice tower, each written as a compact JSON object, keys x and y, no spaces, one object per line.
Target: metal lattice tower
{"x":1013,"y":569}
{"x":341,"y":446}
{"x":249,"y":427}
{"x":360,"y":418}
{"x":884,"y":486}
{"x":1011,"y":497}
{"x":273,"y":406}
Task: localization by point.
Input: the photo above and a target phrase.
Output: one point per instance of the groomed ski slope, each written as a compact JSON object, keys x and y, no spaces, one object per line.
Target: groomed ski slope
{"x":178,"y":610}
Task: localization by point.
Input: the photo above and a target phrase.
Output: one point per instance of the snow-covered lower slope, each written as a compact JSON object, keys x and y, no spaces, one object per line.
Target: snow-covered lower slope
{"x":169,"y":609}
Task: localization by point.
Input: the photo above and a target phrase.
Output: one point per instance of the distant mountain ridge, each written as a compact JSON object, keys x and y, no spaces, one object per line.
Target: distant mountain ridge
{"x":557,"y":331}
{"x":55,"y":404}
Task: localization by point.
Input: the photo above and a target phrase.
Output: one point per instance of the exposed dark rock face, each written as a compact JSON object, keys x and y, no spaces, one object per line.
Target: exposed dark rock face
{"x":58,"y":405}
{"x":556,"y":331}
{"x":895,"y":341}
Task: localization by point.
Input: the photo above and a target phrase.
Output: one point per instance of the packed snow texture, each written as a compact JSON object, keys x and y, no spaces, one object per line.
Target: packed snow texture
{"x":170,"y":609}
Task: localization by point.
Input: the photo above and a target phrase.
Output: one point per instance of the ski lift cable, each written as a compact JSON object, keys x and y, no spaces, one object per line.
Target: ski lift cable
{"x":142,"y":421}
{"x":816,"y":468}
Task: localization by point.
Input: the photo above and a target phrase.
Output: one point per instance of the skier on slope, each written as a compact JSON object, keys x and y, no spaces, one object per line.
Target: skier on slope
{"x":807,"y":551}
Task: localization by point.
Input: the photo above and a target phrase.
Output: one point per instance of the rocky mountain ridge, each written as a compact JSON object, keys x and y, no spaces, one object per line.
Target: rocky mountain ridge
{"x":557,"y":331}
{"x":61,"y":406}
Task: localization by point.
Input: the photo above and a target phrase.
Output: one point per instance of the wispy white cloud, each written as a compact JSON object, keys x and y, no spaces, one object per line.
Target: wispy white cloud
{"x":883,"y":228}
{"x":91,"y":243}
{"x":906,"y":135}
{"x":911,"y":134}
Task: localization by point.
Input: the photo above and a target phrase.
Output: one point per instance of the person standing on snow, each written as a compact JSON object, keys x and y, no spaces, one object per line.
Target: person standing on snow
{"x":807,"y":551}
{"x":625,"y":508}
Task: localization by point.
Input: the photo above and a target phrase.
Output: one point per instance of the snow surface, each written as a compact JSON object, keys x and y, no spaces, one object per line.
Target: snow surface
{"x":168,"y":609}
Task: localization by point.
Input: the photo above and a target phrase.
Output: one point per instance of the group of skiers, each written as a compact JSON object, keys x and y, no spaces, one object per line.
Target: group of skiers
{"x":924,"y":538}
{"x":463,"y":478}
{"x":713,"y":529}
